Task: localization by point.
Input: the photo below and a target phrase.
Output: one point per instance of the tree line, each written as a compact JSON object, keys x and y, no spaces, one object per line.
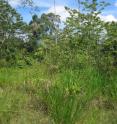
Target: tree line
{"x":84,"y":40}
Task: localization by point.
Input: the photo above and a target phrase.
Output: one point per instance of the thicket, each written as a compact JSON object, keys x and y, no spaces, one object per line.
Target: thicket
{"x":85,"y":38}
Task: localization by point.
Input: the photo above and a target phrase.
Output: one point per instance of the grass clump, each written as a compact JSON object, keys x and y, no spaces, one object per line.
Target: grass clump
{"x":72,"y":93}
{"x":32,"y":95}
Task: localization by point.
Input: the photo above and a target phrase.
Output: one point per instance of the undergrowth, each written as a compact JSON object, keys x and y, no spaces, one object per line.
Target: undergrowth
{"x":34,"y":96}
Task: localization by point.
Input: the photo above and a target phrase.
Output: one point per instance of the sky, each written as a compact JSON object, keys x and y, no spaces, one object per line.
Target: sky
{"x":46,"y":6}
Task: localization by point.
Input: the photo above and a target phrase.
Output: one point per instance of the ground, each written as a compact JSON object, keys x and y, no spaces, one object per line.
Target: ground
{"x":20,"y":101}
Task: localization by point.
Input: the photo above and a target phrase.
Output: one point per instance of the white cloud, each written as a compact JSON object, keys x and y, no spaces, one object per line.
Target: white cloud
{"x":116,"y":3}
{"x":59,"y":10}
{"x":15,"y":3}
{"x":108,"y":18}
{"x":41,"y":3}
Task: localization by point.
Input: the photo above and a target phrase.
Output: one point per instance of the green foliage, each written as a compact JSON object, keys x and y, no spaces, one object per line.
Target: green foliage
{"x":10,"y":43}
{"x":75,"y":77}
{"x":67,"y":98}
{"x":18,"y":96}
{"x":71,"y":96}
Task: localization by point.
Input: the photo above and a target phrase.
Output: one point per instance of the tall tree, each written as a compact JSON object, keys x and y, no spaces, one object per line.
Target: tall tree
{"x":10,"y":26}
{"x":45,"y":26}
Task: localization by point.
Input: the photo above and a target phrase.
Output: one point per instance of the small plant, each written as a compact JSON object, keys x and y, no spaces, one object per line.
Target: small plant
{"x":62,"y":100}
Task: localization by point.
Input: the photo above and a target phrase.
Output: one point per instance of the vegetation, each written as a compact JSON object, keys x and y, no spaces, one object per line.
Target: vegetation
{"x":54,"y":75}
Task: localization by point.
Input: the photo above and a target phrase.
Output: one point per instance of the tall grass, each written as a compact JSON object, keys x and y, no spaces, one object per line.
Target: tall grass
{"x":29,"y":95}
{"x":18,"y":96}
{"x":69,"y":96}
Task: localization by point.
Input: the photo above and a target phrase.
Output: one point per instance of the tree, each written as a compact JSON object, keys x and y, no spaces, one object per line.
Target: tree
{"x":110,"y":45}
{"x":45,"y":26}
{"x":11,"y":25}
{"x":81,"y":40}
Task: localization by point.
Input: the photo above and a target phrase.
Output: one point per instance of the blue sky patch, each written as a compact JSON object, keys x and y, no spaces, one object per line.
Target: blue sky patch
{"x":46,"y":6}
